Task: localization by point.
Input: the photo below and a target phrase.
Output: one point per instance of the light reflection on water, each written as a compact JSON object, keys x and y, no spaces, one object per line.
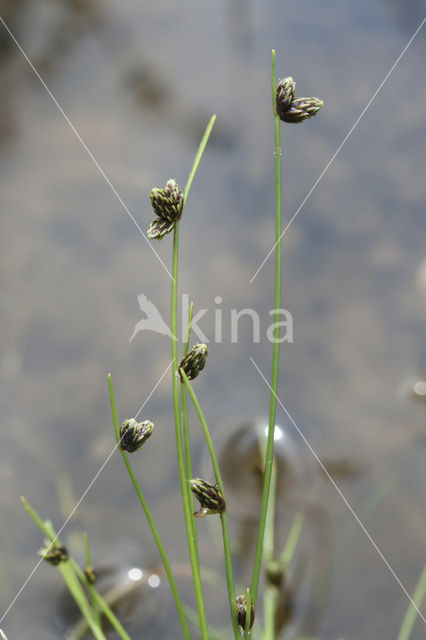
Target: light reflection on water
{"x":140,"y":84}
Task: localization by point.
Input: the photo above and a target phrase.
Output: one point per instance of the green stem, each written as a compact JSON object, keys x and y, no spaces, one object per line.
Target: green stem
{"x":79,"y":596}
{"x":87,"y":550}
{"x":100,"y":602}
{"x":271,"y":594}
{"x":90,"y":568}
{"x":185,"y":420}
{"x":276,"y":348}
{"x":186,"y":438}
{"x":223,"y":516}
{"x":192,"y":547}
{"x":292,"y":540}
{"x":214,"y":634}
{"x":68,"y":575}
{"x":248,"y":615}
{"x":198,"y":157}
{"x":410,"y":616}
{"x":149,"y":518}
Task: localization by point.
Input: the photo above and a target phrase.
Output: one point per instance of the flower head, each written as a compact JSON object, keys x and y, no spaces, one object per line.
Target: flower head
{"x":167,"y":204}
{"x":53,"y":552}
{"x":241,"y":602}
{"x":134,"y":434}
{"x":194,"y":361}
{"x":210,"y":498}
{"x":292,"y":109}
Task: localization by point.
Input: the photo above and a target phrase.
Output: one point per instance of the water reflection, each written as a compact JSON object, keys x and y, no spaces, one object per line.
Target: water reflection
{"x":138,"y":595}
{"x":240,"y":444}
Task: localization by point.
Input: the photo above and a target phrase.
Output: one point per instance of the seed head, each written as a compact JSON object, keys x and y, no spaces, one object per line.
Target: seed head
{"x":194,"y":361}
{"x":301,"y":109}
{"x":168,"y":202}
{"x":54,"y":553}
{"x":133,"y":434}
{"x":285,"y":95}
{"x":242,"y":611}
{"x":210,"y":498}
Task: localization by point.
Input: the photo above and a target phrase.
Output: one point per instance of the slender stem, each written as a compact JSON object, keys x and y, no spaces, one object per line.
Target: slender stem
{"x":192,"y":547}
{"x":90,"y":568}
{"x":188,"y":330}
{"x":186,"y":439}
{"x":223,"y":516}
{"x":96,"y":598}
{"x":292,"y":540}
{"x":271,"y":594}
{"x":78,"y":594}
{"x":276,"y":347}
{"x":411,"y":614}
{"x":248,"y":615}
{"x":149,"y":517}
{"x":214,"y":634}
{"x":68,"y":574}
{"x":100,"y":602}
{"x":198,"y":157}
{"x":87,"y":550}
{"x":39,"y":522}
{"x":185,"y":421}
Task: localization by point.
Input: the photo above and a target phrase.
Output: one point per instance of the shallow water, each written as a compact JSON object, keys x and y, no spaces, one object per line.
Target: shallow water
{"x":139,"y":82}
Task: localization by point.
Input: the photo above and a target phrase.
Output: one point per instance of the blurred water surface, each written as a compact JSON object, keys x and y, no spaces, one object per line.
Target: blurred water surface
{"x":139,"y":82}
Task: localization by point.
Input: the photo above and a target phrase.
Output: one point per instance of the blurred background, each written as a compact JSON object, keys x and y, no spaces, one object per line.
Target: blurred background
{"x":139,"y":81}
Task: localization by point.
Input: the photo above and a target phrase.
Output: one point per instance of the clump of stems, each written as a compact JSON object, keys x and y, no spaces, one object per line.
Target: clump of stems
{"x":169,"y":204}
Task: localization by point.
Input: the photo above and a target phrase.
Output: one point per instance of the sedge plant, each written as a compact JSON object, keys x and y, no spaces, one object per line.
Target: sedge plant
{"x":168,"y":204}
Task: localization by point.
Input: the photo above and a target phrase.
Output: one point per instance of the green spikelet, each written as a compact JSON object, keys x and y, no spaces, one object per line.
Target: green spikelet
{"x":159,"y":228}
{"x":210,"y":498}
{"x":168,"y":202}
{"x":285,"y":94}
{"x":301,"y":109}
{"x":134,"y":434}
{"x":194,"y":361}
